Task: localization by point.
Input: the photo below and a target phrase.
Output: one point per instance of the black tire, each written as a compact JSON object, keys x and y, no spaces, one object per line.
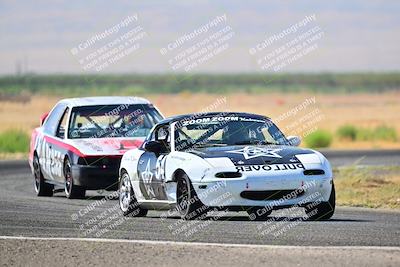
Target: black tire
{"x":258,"y":213}
{"x":188,"y":204}
{"x":71,"y":190}
{"x":324,"y":210}
{"x":42,"y":188}
{"x":127,"y":200}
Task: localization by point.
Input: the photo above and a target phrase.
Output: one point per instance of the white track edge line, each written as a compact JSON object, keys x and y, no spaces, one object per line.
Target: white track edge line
{"x":181,"y":243}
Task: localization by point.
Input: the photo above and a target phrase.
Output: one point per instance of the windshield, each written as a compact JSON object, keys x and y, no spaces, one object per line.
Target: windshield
{"x":112,"y":121}
{"x":227,"y":131}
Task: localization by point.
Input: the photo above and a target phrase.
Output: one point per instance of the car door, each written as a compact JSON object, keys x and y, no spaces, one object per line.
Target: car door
{"x":151,"y":167}
{"x":59,"y":148}
{"x":51,"y":149}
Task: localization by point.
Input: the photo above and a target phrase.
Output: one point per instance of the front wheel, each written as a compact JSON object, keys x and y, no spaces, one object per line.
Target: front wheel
{"x":127,"y":200}
{"x":324,"y":210}
{"x":188,"y":203}
{"x":41,"y":187}
{"x":71,"y":190}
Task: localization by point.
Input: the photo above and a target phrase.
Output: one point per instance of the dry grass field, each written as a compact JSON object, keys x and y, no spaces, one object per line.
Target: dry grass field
{"x":372,"y":186}
{"x":319,"y":111}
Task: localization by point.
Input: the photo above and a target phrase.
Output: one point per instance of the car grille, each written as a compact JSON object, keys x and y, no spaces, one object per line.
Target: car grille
{"x":100,"y":161}
{"x":272,"y":194}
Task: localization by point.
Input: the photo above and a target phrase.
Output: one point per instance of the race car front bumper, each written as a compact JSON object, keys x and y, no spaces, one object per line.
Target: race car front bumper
{"x":96,"y":177}
{"x":274,"y":192}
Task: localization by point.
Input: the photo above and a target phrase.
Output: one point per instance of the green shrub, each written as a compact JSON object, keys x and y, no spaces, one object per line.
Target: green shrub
{"x":386,"y":133}
{"x":364,"y":134}
{"x":318,"y":139}
{"x":12,"y":141}
{"x":347,"y":132}
{"x":381,"y":132}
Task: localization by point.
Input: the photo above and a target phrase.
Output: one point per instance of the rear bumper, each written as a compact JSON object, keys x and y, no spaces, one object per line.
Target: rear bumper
{"x":96,"y":177}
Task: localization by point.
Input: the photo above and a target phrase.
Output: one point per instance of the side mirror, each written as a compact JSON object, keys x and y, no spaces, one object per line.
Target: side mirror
{"x":153,"y":146}
{"x":294,"y":140}
{"x":43,"y":118}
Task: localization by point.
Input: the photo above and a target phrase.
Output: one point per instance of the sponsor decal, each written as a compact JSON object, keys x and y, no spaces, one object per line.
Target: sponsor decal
{"x":211,"y":119}
{"x":92,"y":146}
{"x":109,"y":145}
{"x":275,"y":167}
{"x":250,"y":152}
{"x":251,"y":119}
{"x":178,"y":158}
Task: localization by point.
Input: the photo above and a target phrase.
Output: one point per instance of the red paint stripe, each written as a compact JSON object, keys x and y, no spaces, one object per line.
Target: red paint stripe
{"x":79,"y":153}
{"x":64,"y":145}
{"x":104,"y":156}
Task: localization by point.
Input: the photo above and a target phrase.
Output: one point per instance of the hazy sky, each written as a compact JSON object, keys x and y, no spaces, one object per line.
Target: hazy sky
{"x":38,"y":36}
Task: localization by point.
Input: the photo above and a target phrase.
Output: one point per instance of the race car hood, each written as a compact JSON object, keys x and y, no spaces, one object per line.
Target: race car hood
{"x":105,"y":146}
{"x":253,"y":155}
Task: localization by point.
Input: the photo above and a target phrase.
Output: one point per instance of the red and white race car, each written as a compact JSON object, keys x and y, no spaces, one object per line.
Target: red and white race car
{"x":80,"y":142}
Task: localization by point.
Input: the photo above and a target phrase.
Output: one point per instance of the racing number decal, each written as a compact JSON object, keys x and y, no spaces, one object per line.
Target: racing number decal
{"x":55,"y":161}
{"x":160,"y":168}
{"x":50,"y":158}
{"x":151,"y":176}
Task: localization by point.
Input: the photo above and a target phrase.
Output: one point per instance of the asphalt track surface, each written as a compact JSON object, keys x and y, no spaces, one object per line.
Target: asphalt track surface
{"x":355,"y":232}
{"x":363,"y":157}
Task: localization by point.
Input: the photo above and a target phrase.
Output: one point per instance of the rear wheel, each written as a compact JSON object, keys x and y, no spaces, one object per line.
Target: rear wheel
{"x":41,"y":187}
{"x":188,"y":204}
{"x":324,"y":210}
{"x":127,"y":200}
{"x":71,"y":190}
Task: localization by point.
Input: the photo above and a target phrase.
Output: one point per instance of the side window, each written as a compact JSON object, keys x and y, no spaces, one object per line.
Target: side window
{"x":162,"y":135}
{"x":62,"y":125}
{"x":51,"y":124}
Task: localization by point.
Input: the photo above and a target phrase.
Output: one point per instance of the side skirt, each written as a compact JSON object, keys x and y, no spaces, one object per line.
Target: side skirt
{"x":157,"y":204}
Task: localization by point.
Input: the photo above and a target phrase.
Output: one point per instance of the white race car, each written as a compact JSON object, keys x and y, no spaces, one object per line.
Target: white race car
{"x":224,"y":161}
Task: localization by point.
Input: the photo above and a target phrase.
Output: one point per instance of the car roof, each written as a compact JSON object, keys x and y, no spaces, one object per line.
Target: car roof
{"x":210,"y":114}
{"x":104,"y":100}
